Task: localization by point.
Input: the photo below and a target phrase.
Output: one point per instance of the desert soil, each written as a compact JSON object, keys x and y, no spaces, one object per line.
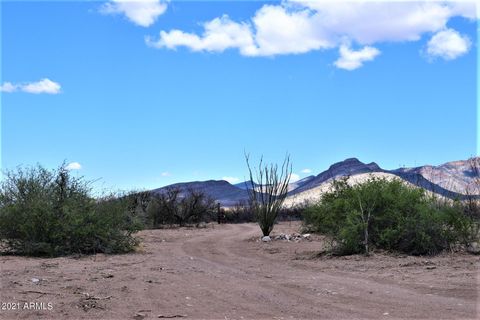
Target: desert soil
{"x":225,"y":272}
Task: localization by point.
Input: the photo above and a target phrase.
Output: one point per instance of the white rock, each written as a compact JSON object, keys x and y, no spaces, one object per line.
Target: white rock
{"x":473,"y":248}
{"x":35,"y":280}
{"x":266,"y":239}
{"x":306,"y":235}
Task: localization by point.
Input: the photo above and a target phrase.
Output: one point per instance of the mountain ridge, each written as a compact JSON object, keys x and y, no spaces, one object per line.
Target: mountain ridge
{"x":454,"y":179}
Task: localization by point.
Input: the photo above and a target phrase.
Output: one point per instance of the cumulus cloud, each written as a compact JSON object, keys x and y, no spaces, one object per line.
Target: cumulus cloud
{"x":166,"y":174}
{"x":141,"y":12}
{"x":296,"y":27}
{"x":219,"y":34}
{"x":306,"y":171}
{"x":369,"y":22}
{"x":42,"y":86}
{"x":73,"y":166}
{"x":231,"y":180}
{"x":274,"y":30}
{"x":448,"y":44}
{"x":351,"y":60}
{"x":283,"y":31}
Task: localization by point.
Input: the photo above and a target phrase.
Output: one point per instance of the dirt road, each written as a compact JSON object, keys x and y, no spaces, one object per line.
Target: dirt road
{"x":224,"y":272}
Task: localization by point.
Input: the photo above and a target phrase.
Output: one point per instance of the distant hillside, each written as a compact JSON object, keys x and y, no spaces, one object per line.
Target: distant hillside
{"x":300,"y":183}
{"x":220,"y":190}
{"x":452,"y":180}
{"x":348,"y":167}
{"x":246,"y":185}
{"x":455,"y":176}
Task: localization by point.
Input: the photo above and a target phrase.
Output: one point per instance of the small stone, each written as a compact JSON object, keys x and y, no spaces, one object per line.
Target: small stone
{"x":35,"y":280}
{"x":266,"y":239}
{"x":473,"y":248}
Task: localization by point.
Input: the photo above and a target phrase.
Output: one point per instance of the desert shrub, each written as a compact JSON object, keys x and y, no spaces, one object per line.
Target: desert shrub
{"x":240,"y":213}
{"x":175,"y":207}
{"x":291,"y":213}
{"x":52,"y":213}
{"x":390,"y":215}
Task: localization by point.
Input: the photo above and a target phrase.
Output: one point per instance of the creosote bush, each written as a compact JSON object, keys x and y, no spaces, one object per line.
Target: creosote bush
{"x":52,"y":213}
{"x":388,"y":214}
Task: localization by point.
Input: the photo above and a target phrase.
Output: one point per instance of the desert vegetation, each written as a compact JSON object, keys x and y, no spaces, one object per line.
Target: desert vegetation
{"x":390,"y":215}
{"x":52,"y":213}
{"x":173,"y":207}
{"x":269,"y":188}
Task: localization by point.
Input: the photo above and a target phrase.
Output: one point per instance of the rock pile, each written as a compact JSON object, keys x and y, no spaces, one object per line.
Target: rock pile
{"x":293,"y":237}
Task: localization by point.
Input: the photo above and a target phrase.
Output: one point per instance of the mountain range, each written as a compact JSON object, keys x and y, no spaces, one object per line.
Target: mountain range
{"x":454,"y":180}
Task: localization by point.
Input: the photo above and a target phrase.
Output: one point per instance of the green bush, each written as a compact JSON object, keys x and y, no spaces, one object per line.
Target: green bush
{"x":52,"y":213}
{"x":390,"y":215}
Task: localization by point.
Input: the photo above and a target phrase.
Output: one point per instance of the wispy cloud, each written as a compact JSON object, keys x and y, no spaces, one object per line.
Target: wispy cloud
{"x":42,"y":86}
{"x":73,"y":166}
{"x":350,"y":59}
{"x":306,"y":171}
{"x":8,"y":87}
{"x":448,"y":44}
{"x":143,"y":13}
{"x":166,"y":174}
{"x":296,"y":26}
{"x":231,"y":180}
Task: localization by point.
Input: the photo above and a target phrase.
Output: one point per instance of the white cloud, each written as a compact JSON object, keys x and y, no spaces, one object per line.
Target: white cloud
{"x":231,"y":180}
{"x":369,"y":22}
{"x":8,"y":87}
{"x":448,"y":44}
{"x":141,"y":12}
{"x":294,"y":177}
{"x":278,"y":31}
{"x":42,"y":86}
{"x":283,"y":31}
{"x":166,"y":174}
{"x":351,"y":60}
{"x":467,"y":8}
{"x":306,"y":171}
{"x":219,"y":34}
{"x":296,"y":26}
{"x":73,"y":166}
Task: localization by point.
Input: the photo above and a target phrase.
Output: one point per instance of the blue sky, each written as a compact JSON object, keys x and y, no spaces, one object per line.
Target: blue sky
{"x":98,"y":84}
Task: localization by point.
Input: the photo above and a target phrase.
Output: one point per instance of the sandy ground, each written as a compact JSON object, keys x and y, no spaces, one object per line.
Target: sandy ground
{"x":224,"y":272}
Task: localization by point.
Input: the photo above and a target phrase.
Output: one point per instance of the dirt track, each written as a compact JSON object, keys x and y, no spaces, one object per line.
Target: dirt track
{"x":222,"y":272}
